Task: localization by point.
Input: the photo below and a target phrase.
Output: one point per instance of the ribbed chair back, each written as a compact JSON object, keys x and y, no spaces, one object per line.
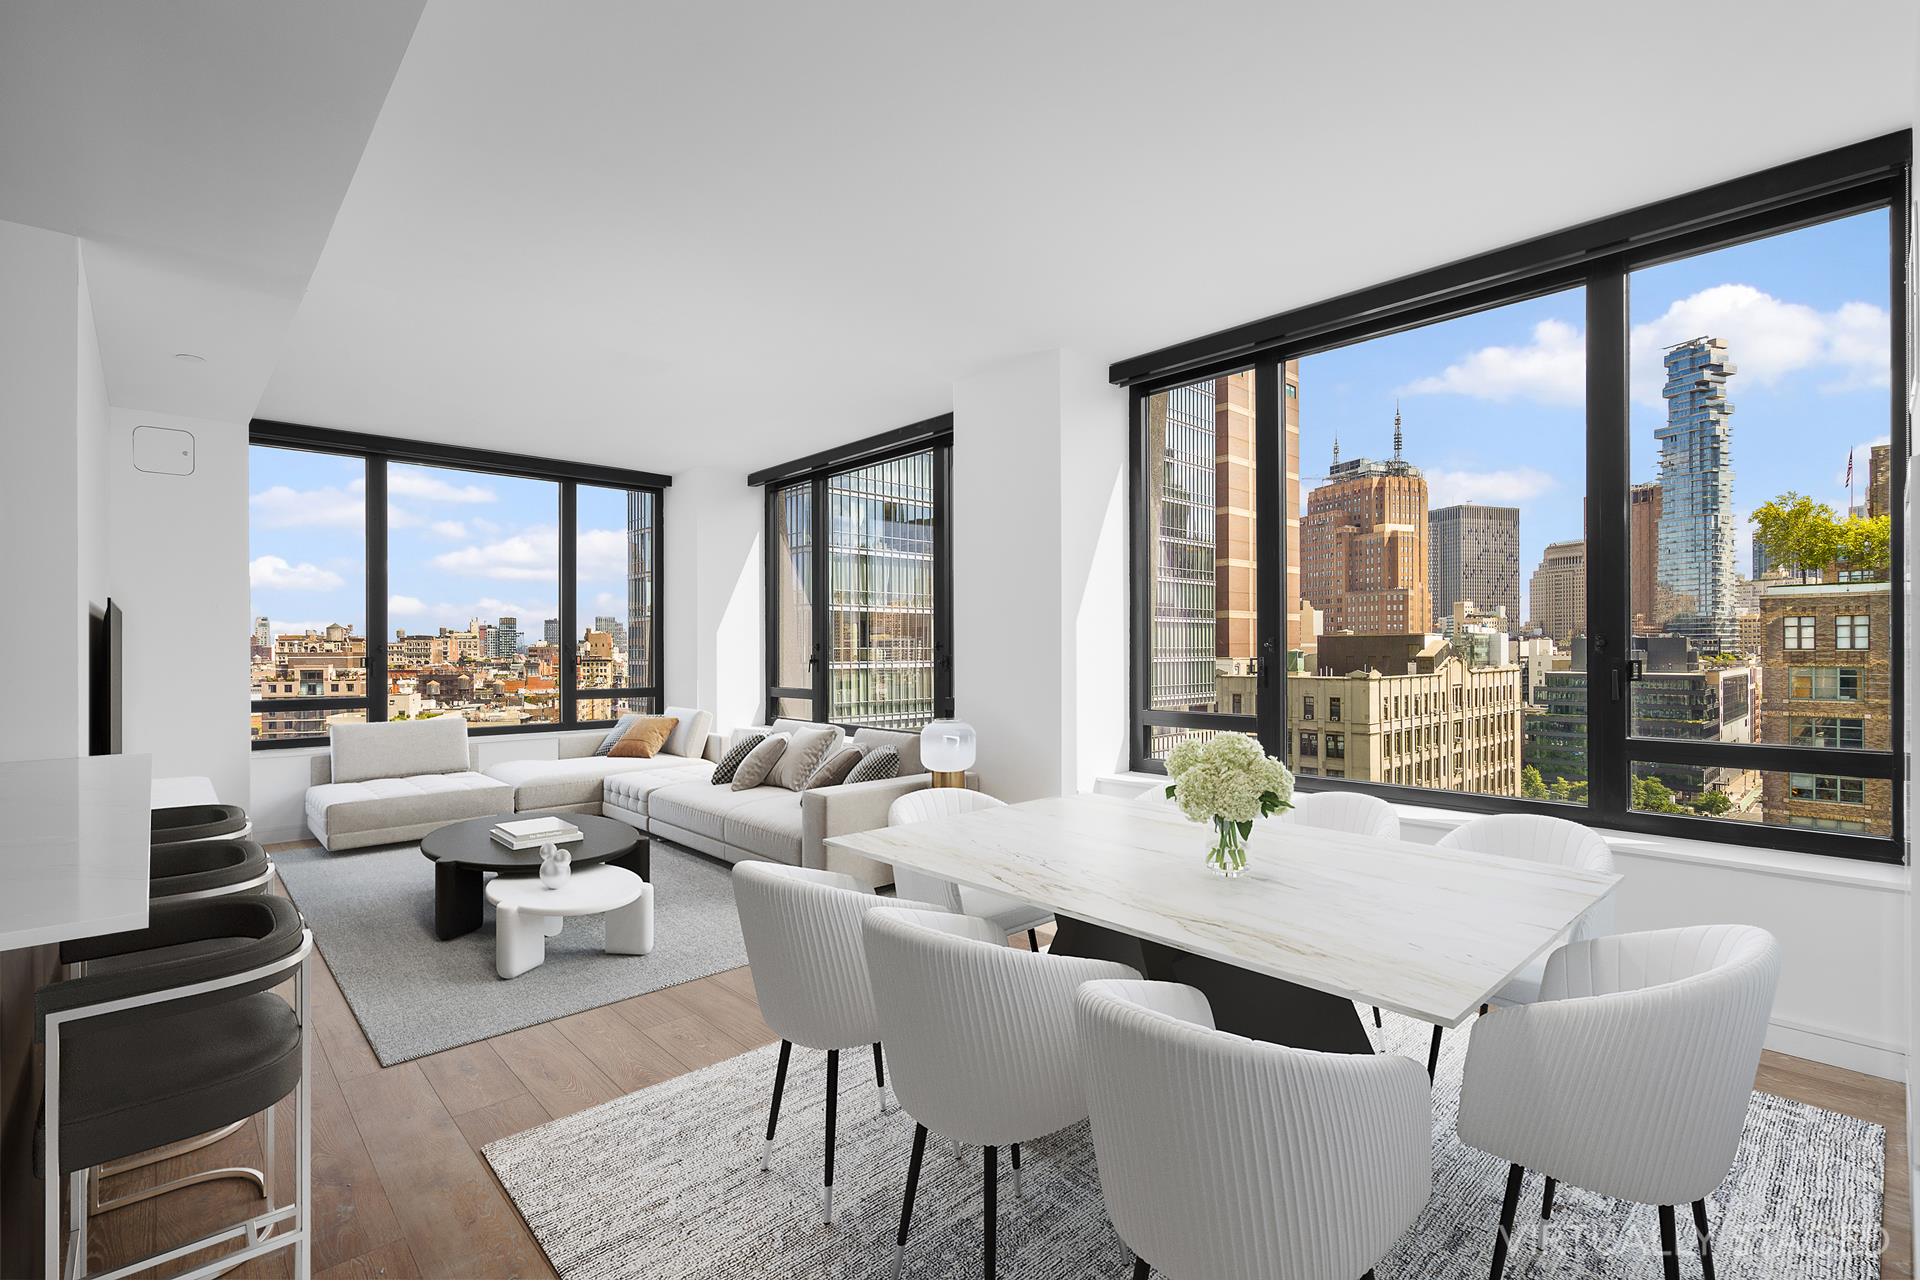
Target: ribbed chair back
{"x":1631,"y":1076}
{"x":919,"y":807}
{"x":979,"y":1035}
{"x":1354,"y":812}
{"x":1221,"y":1156}
{"x":801,"y":927}
{"x":1541,"y":838}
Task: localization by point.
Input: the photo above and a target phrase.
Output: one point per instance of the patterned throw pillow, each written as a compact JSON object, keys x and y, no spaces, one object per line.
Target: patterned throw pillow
{"x":881,"y":763}
{"x":648,"y":736}
{"x":760,"y":761}
{"x":808,"y":747}
{"x":614,"y":735}
{"x":834,"y":770}
{"x":730,"y":763}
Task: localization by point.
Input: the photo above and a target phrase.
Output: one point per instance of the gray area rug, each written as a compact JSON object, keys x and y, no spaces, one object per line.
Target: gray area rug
{"x":372,"y":916}
{"x":666,"y":1182}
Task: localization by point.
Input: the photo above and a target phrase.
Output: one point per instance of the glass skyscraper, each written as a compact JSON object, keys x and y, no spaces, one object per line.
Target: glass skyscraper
{"x":1695,"y":596}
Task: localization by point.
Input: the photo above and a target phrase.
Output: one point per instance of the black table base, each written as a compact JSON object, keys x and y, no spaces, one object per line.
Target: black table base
{"x":460,"y":891}
{"x":1245,"y":1003}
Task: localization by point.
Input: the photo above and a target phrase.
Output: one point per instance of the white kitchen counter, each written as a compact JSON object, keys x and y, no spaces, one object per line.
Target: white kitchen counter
{"x":75,"y":848}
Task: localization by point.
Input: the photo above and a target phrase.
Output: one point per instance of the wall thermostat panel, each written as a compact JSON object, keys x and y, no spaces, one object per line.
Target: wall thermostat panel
{"x":166,"y":451}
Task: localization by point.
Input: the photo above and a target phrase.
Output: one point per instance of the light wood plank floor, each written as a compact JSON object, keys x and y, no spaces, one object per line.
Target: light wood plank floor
{"x":400,"y":1188}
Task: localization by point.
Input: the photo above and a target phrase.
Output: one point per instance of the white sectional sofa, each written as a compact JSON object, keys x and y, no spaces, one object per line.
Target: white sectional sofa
{"x":386,"y":783}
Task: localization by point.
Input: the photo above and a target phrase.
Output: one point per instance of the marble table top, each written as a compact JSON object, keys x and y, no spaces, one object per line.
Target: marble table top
{"x":1424,"y":931}
{"x":76,"y":848}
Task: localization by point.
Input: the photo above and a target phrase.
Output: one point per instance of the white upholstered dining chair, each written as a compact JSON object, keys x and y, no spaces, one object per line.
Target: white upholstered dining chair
{"x":1630,"y":1076}
{"x":1343,"y":811}
{"x":1010,"y":914}
{"x":1538,"y":838}
{"x":801,"y":927}
{"x":981,"y":1037}
{"x":1221,"y":1156}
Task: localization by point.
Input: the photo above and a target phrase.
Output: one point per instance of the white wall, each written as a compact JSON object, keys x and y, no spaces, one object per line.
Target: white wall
{"x":178,"y":568}
{"x":51,"y":401}
{"x":714,"y":569}
{"x":1039,"y":571}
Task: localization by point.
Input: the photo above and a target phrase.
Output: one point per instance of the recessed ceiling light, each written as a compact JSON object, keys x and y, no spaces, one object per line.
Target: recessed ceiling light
{"x":189,"y":357}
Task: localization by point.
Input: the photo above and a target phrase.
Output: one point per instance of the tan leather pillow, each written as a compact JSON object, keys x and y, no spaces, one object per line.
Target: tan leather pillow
{"x":759,"y":763}
{"x":834,"y":770}
{"x":647,"y":736}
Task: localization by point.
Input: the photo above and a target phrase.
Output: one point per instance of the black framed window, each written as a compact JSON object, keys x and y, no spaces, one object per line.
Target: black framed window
{"x":397,"y":579}
{"x":1502,"y":522}
{"x":858,"y":617}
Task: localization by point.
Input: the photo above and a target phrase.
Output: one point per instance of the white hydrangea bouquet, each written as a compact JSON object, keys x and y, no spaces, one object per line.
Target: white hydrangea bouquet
{"x":1229,"y":782}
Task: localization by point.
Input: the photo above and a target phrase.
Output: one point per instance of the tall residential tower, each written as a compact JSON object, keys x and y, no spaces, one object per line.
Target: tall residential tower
{"x":1698,"y":525}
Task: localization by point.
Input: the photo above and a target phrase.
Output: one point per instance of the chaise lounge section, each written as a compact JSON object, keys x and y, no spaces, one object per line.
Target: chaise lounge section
{"x":396,"y":781}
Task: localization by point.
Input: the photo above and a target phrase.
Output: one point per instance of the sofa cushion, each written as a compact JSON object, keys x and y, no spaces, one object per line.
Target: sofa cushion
{"x":907,"y":745}
{"x":614,"y":735}
{"x":689,"y":737}
{"x":803,"y":755}
{"x":834,"y":770}
{"x":399,"y":749}
{"x":644,"y":738}
{"x":759,"y":764}
{"x":702,"y":807}
{"x":539,"y":785}
{"x":769,"y":826}
{"x":632,"y":790}
{"x":879,"y":763}
{"x":339,"y":808}
{"x":729,"y":764}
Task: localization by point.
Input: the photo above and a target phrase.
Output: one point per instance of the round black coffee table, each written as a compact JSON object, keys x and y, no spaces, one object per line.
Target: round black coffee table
{"x":463,"y":854}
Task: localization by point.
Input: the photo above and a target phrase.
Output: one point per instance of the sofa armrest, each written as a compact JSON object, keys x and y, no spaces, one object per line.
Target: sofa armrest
{"x":320,"y":769}
{"x":716,"y":747}
{"x":846,"y":808}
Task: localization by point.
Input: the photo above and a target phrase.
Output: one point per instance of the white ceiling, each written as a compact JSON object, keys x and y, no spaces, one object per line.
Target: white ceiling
{"x":672,"y":234}
{"x":200,"y":148}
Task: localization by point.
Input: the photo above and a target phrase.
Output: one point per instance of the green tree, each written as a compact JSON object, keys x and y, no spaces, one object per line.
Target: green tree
{"x":1712,"y":803}
{"x":1651,"y":796}
{"x":1865,"y":543}
{"x":1798,"y":533}
{"x":1531,"y":785}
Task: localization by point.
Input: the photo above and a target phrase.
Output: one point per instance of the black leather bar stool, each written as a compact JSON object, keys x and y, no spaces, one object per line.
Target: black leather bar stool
{"x":208,"y":869}
{"x":178,"y":823}
{"x":183,"y":1036}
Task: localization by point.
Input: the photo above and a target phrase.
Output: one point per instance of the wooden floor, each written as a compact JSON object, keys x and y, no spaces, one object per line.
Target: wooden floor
{"x":400,"y":1188}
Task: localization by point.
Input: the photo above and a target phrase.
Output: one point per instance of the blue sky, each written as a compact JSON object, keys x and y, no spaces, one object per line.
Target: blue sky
{"x":1493,"y":403}
{"x":461,"y":545}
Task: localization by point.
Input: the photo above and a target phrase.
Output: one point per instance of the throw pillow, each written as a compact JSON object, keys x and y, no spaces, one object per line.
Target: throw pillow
{"x":759,"y":763}
{"x":647,"y":736}
{"x":730,"y":763}
{"x":834,"y":770}
{"x":614,"y":735}
{"x":803,"y":755}
{"x":881,"y":763}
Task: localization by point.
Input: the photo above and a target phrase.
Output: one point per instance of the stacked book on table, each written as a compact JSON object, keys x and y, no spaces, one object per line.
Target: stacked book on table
{"x":532,"y":833}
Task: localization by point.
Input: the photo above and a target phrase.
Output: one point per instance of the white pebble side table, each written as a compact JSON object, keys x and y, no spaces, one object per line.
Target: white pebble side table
{"x":527,"y":913}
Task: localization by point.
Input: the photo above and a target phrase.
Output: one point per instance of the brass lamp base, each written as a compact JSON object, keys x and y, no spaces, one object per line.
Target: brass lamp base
{"x":949,"y":778}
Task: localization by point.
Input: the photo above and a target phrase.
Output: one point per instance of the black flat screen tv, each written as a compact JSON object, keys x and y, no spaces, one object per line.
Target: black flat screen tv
{"x":106,"y":631}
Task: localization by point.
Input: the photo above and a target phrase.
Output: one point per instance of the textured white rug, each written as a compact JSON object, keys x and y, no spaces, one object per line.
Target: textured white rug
{"x":666,"y":1182}
{"x":372,"y":917}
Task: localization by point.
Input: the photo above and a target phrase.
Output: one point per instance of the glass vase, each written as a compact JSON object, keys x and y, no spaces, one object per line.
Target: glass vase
{"x":1227,"y":856}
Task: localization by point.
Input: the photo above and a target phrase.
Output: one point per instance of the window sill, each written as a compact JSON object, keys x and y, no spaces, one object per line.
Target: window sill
{"x":1432,"y":821}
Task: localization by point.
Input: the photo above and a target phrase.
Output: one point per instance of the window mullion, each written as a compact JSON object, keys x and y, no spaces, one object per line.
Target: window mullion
{"x":1609,"y":626}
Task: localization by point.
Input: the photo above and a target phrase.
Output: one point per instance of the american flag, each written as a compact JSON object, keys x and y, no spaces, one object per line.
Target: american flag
{"x":1849,"y":469}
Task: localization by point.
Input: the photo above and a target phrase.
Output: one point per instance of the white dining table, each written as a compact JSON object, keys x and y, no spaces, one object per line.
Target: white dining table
{"x":1424,"y":931}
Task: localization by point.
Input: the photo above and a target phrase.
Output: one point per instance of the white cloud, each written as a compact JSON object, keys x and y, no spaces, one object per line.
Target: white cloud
{"x":1505,"y":487}
{"x":450,"y":529}
{"x":533,"y":556}
{"x":418,"y":615}
{"x":1552,"y":369}
{"x":411,"y":483}
{"x":275,"y":572}
{"x":601,"y":553}
{"x":1768,"y":340}
{"x":405,"y":605}
{"x":284,"y":507}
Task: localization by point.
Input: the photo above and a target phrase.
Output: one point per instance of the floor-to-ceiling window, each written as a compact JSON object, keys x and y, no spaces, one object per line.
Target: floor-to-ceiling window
{"x":398,"y":580}
{"x":1497,"y":531}
{"x":856,"y":623}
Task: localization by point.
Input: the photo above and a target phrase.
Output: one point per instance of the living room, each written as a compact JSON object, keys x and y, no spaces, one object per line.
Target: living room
{"x":767,"y":453}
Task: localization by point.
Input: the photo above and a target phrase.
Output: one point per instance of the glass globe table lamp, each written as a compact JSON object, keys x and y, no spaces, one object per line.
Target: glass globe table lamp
{"x":947,"y":751}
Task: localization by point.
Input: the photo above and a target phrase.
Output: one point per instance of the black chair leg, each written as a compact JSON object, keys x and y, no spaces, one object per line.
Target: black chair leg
{"x":879,"y":1067}
{"x":906,"y":1204}
{"x":833,"y":1103}
{"x":1376,"y":1017}
{"x":1016,"y":1171}
{"x":773,"y":1113}
{"x":1669,"y":1244}
{"x":1546,"y":1199}
{"x":1140,"y":1269}
{"x":1367,"y":1275}
{"x":1509,"y":1206}
{"x":989,"y":1268}
{"x":1033,"y":940}
{"x":1433,"y":1054}
{"x":1705,"y":1238}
